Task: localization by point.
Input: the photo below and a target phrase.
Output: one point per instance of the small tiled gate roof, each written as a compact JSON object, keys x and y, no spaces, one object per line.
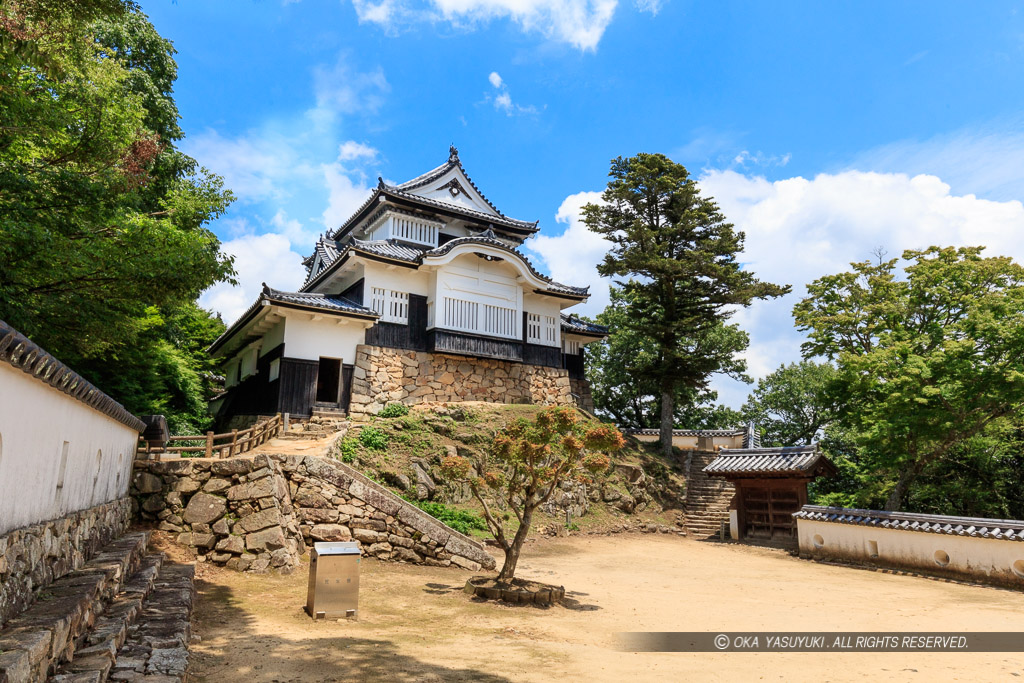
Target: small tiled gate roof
{"x":771,"y":462}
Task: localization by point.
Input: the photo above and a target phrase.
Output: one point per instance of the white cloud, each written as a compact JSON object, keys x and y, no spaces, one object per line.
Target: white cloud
{"x":746,"y":158}
{"x":502,"y":100}
{"x":254,"y":165}
{"x":258,"y":258}
{"x":345,"y":194}
{"x":572,"y":257}
{"x":352,"y":150}
{"x":650,"y":6}
{"x":287,"y":168}
{"x":579,"y":23}
{"x":986,"y":160}
{"x":800,"y":229}
{"x":293,"y":230}
{"x":341,"y":89}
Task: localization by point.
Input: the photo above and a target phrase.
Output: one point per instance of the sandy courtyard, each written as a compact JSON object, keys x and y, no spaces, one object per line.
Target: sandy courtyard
{"x":417,"y":625}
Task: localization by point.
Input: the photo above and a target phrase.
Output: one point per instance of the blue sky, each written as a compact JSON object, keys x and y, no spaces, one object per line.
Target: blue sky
{"x":824,"y":130}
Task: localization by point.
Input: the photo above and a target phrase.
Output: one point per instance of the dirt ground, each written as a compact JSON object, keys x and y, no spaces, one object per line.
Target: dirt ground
{"x":417,"y":625}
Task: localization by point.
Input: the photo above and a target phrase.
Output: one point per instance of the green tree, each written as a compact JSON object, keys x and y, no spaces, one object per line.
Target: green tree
{"x":679,"y":253}
{"x":794,"y":404}
{"x":525,"y":465}
{"x":624,"y":390}
{"x":103,"y":237}
{"x":925,"y":362}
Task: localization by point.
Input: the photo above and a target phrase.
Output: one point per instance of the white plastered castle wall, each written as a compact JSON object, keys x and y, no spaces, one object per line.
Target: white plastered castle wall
{"x":309,"y":336}
{"x":989,"y":559}
{"x":36,"y":421}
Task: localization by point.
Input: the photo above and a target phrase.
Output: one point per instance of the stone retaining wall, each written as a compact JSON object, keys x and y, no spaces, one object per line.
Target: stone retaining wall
{"x":252,"y":514}
{"x":585,"y":397}
{"x":384,"y":375}
{"x":33,"y":557}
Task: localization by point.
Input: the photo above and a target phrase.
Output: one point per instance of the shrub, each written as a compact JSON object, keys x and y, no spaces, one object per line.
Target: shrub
{"x":394,"y":410}
{"x":348,"y":448}
{"x":460,"y":520}
{"x":373,"y":438}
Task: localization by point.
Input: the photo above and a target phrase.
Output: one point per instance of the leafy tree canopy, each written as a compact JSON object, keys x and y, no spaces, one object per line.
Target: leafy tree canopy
{"x":625,"y":390}
{"x":794,"y":404}
{"x":524,"y":466}
{"x":926,"y":362}
{"x":104,"y":244}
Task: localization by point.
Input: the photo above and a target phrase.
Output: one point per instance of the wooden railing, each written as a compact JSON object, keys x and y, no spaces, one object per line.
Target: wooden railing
{"x":230,"y":443}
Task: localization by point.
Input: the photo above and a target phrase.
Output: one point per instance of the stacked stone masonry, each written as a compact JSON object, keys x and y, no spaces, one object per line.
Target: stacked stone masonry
{"x":54,"y":630}
{"x":384,"y":375}
{"x":260,"y":513}
{"x":31,"y":558}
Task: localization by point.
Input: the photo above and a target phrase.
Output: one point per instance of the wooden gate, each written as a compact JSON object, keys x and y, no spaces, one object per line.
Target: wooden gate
{"x":767,"y":507}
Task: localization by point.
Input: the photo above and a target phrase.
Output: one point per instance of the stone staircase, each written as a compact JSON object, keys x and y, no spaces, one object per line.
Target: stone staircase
{"x":707,"y":498}
{"x":123,"y":615}
{"x":329,"y":411}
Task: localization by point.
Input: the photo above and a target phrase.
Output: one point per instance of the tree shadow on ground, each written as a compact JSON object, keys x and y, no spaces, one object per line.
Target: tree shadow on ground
{"x":254,"y":656}
{"x":442,"y":589}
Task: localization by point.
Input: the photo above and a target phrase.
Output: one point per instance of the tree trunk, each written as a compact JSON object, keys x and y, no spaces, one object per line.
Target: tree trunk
{"x":898,"y":495}
{"x":508,"y":569}
{"x":667,"y":412}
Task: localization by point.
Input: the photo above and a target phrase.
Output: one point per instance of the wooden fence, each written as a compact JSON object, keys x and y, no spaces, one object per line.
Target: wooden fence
{"x":224,"y":445}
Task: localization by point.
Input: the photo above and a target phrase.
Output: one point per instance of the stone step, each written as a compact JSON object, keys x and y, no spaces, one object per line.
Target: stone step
{"x":157,"y":644}
{"x":111,"y":630}
{"x":52,"y":629}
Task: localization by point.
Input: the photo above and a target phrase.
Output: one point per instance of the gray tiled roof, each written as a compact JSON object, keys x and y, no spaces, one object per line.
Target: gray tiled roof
{"x":803,"y":460}
{"x":1006,"y":529}
{"x":458,"y":208}
{"x":315,"y":300}
{"x":434,"y":174}
{"x":573,"y":324}
{"x":23,"y":354}
{"x":389,"y":249}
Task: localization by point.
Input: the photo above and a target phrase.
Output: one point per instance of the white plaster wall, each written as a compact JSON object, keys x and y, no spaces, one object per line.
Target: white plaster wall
{"x":273,"y":337}
{"x":968,"y":555}
{"x":35,"y":421}
{"x":396,"y":278}
{"x":330,"y":336}
{"x":248,"y":361}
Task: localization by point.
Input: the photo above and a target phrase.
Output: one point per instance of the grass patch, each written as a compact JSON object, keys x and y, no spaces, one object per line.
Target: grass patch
{"x":460,"y":520}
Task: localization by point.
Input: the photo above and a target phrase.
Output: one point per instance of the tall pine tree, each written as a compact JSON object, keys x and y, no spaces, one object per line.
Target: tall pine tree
{"x":679,"y":255}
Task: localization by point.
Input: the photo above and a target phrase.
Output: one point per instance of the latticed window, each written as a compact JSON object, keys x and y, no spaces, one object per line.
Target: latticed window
{"x":391,"y":306}
{"x":533,"y":328}
{"x":550,"y":332}
{"x":540,"y":329}
{"x":571,"y":346}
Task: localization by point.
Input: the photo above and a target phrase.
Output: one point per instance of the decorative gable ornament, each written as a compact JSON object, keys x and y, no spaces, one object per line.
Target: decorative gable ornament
{"x":455,"y":187}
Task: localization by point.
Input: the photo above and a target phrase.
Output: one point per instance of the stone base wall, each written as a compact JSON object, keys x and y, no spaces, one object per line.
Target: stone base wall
{"x":252,"y":514}
{"x":382,"y":375}
{"x":33,"y":557}
{"x":236,"y":512}
{"x":581,"y":390}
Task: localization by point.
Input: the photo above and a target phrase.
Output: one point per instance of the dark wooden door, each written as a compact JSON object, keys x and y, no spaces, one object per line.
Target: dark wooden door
{"x":768,"y":511}
{"x":328,"y":380}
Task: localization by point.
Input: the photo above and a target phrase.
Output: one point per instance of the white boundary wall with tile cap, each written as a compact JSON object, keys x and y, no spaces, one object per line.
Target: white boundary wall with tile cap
{"x":971,"y":557}
{"x":35,"y":421}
